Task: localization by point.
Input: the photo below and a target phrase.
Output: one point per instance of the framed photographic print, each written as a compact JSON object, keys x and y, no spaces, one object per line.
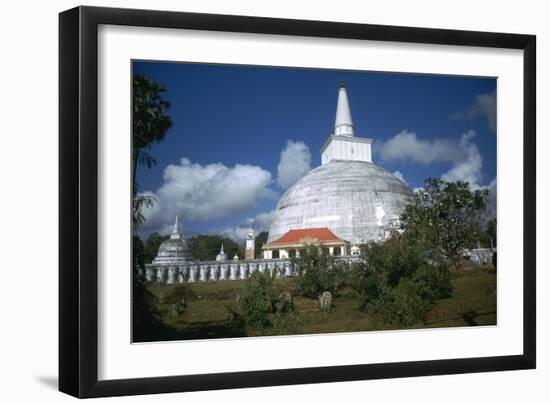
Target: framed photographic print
{"x":251,"y":202}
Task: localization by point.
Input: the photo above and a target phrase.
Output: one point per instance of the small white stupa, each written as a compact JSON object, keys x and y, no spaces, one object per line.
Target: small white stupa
{"x":175,"y":249}
{"x":222,"y":256}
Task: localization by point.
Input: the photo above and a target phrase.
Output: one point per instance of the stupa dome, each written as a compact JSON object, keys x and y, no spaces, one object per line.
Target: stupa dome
{"x":174,"y":249}
{"x":348,"y":194}
{"x":356,"y":200}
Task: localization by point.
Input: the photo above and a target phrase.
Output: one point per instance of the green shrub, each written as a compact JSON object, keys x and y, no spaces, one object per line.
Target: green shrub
{"x":402,"y":305}
{"x":444,"y":218}
{"x":398,"y":283}
{"x":372,"y":289}
{"x":178,"y":294}
{"x":433,"y":282}
{"x":318,"y":273}
{"x":260,"y":309}
{"x":393,"y":257}
{"x":256,"y":302}
{"x":284,"y":305}
{"x":177,"y":299}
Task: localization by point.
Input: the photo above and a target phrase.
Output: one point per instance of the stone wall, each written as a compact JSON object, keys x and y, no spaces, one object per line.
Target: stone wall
{"x":480,"y":255}
{"x":213,"y":271}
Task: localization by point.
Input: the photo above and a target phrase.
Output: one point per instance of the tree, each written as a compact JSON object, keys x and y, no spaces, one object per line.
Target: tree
{"x":178,"y":298}
{"x":260,"y":309}
{"x":138,"y":250}
{"x":401,"y":277}
{"x":259,"y":241}
{"x":318,"y":273}
{"x":146,"y":322}
{"x":444,"y":219}
{"x":205,"y":247}
{"x":139,"y":203}
{"x":151,"y":246}
{"x":398,"y":283}
{"x":491,"y":233}
{"x":256,"y":303}
{"x":150,"y":121}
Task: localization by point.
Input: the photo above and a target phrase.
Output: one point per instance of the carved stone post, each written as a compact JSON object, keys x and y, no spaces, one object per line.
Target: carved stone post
{"x":171,"y":276}
{"x":223,"y":272}
{"x":203,"y":273}
{"x":150,"y":274}
{"x":234,"y":272}
{"x":192,"y":274}
{"x":162,"y":275}
{"x":213,"y":272}
{"x":288,"y":268}
{"x":243,"y":271}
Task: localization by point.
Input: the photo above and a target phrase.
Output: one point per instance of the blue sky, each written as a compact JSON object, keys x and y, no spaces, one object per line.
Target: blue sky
{"x":232,"y":123}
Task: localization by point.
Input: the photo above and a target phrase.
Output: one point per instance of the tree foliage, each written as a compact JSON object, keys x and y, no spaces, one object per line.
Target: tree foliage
{"x":150,"y":121}
{"x":138,"y":251}
{"x":444,"y":218}
{"x":151,"y":246}
{"x":205,"y":247}
{"x":260,"y":308}
{"x":318,"y":273}
{"x":259,"y":241}
{"x":489,"y":236}
{"x":256,"y":303}
{"x":397,"y":282}
{"x":401,"y":277}
{"x":139,"y":203}
{"x":145,"y":316}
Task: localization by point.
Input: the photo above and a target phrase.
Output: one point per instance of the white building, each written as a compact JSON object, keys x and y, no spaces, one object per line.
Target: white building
{"x":348,"y":194}
{"x":173,"y":250}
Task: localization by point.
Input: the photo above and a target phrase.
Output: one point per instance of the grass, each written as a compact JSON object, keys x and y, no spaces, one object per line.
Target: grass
{"x":473,"y":302}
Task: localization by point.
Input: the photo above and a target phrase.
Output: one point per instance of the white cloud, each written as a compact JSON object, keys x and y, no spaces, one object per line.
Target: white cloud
{"x":468,"y":169}
{"x":466,"y":159}
{"x":260,"y":223}
{"x":206,"y":192}
{"x":295,"y":162}
{"x":400,"y":176}
{"x":263,"y":220}
{"x":405,"y":146}
{"x":485,"y":105}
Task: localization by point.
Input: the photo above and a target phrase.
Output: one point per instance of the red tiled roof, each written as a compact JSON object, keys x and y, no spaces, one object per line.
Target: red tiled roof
{"x":293,"y":236}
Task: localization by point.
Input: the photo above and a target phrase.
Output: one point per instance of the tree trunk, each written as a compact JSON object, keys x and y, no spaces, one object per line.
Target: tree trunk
{"x":134,"y":169}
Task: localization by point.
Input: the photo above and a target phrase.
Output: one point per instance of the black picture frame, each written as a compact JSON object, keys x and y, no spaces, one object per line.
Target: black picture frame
{"x":78,"y":201}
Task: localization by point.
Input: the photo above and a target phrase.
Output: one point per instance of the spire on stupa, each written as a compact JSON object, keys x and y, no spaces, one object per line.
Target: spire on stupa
{"x":343,"y":126}
{"x":343,"y":145}
{"x":221,"y":256}
{"x":176,"y":230}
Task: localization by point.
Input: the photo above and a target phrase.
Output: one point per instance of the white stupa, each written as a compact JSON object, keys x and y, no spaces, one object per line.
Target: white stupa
{"x":175,"y":249}
{"x":348,"y":194}
{"x":222,"y":256}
